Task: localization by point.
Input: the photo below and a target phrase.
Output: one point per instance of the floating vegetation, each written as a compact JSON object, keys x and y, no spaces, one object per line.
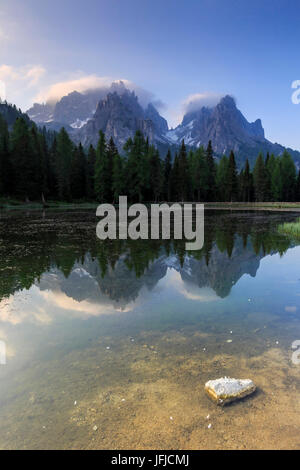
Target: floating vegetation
{"x":291,"y":228}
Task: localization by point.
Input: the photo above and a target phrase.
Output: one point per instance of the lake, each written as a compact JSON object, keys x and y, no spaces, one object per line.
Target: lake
{"x":109,"y":344}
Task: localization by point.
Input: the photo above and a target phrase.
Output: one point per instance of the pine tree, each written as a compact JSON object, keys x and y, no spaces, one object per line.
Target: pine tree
{"x":156,"y":175}
{"x":183,"y":176}
{"x":52,"y":176}
{"x":6,"y":176}
{"x":268,"y":195}
{"x":90,"y":173}
{"x":64,"y":155}
{"x":78,"y":173}
{"x":288,"y":171}
{"x":270,"y":167}
{"x":21,"y":157}
{"x":112,"y":152}
{"x":101,"y":169}
{"x":167,"y":176}
{"x":298,"y":188}
{"x":232,"y":189}
{"x":175,"y":179}
{"x":38,"y":183}
{"x":247,"y":184}
{"x":201,"y":174}
{"x":276,"y":181}
{"x":221,"y":178}
{"x":136,"y":151}
{"x":211,"y":173}
{"x":118,"y":177}
{"x":259,"y":175}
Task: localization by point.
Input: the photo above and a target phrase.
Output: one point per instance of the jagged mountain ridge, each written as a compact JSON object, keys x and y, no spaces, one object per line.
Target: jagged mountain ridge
{"x":120,"y":116}
{"x":118,"y":113}
{"x":228,"y":130}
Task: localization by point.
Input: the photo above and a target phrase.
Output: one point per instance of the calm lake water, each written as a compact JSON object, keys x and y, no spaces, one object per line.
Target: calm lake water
{"x":109,"y":344}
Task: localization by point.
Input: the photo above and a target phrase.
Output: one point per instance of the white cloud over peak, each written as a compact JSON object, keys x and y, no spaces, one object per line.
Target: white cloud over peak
{"x":199,"y":100}
{"x":56,"y":91}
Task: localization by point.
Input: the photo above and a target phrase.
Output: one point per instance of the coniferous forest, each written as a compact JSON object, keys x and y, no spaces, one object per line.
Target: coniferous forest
{"x":36,"y":165}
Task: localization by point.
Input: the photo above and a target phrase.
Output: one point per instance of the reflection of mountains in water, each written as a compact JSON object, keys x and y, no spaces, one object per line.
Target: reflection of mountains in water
{"x":34,"y":251}
{"x":120,"y":284}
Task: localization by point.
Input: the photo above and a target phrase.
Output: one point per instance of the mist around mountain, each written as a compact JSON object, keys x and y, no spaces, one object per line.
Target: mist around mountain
{"x":118,"y":113}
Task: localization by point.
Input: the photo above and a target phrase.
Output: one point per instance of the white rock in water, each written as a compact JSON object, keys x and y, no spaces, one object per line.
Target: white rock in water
{"x":226,"y":390}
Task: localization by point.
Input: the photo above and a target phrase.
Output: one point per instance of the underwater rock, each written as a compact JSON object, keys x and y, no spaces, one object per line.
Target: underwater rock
{"x":227,"y":390}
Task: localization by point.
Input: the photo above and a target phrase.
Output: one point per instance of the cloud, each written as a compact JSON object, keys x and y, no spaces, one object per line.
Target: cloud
{"x":34,"y":74}
{"x":56,"y":91}
{"x":199,"y":100}
{"x":29,"y":75}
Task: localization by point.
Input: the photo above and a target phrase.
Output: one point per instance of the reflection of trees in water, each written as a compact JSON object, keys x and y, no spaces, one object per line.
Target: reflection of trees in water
{"x":27,"y":253}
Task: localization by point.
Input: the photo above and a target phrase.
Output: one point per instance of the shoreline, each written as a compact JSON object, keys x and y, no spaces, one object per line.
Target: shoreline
{"x":270,"y":206}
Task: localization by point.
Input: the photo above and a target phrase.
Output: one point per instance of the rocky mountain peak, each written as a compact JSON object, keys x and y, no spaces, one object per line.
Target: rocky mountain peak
{"x":118,"y":116}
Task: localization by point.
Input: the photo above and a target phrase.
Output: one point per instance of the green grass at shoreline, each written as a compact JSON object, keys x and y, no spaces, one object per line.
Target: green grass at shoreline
{"x":8,"y":204}
{"x":292,"y":229}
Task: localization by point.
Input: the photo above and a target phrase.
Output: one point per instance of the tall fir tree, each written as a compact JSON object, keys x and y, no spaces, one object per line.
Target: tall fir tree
{"x":288,"y":172}
{"x":221,"y":178}
{"x":101,"y":169}
{"x":22,"y":161}
{"x":78,"y":173}
{"x":64,"y":156}
{"x":183,"y":176}
{"x":246,"y":189}
{"x":136,"y":150}
{"x":259,"y":175}
{"x":90,"y":173}
{"x":167,"y":176}
{"x":175,"y":179}
{"x":6,"y":175}
{"x":276,"y":181}
{"x":211,"y":173}
{"x":298,"y":188}
{"x":117,"y":177}
{"x":156,"y":175}
{"x":232,"y":187}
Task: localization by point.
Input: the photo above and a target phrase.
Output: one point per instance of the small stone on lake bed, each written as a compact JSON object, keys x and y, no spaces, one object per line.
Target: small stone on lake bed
{"x":209,"y":426}
{"x":226,"y":390}
{"x":229,"y":341}
{"x":95,"y":428}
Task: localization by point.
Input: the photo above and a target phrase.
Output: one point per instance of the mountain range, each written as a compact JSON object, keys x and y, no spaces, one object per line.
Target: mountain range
{"x":119,"y":114}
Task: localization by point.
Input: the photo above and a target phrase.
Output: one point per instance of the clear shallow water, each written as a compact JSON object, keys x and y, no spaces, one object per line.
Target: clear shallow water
{"x":123,"y":336}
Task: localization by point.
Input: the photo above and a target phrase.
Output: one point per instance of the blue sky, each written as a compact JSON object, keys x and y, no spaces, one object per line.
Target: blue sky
{"x":171,"y":48}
